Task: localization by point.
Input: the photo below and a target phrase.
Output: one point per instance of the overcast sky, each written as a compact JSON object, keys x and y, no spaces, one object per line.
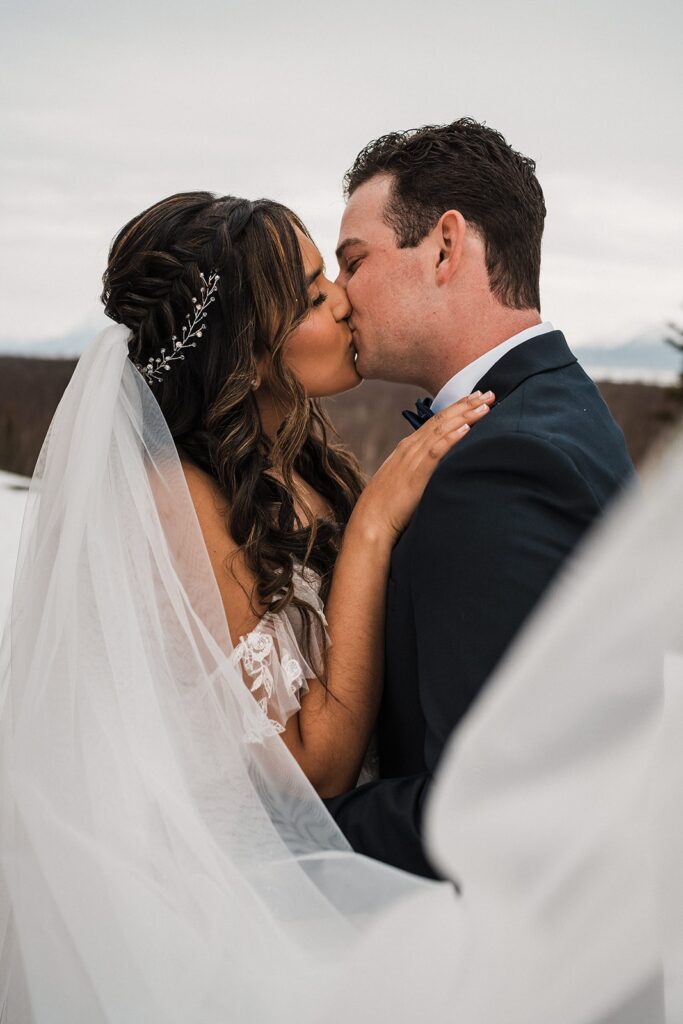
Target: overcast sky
{"x":106,"y":108}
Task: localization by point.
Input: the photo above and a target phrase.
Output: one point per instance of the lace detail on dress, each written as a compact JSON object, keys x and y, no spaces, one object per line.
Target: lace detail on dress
{"x":273,"y":664}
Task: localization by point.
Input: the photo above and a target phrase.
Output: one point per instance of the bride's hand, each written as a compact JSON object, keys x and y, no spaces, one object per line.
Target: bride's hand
{"x":392,"y":494}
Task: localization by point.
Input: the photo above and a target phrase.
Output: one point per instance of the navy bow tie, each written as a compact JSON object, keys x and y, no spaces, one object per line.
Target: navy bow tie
{"x":424,"y":412}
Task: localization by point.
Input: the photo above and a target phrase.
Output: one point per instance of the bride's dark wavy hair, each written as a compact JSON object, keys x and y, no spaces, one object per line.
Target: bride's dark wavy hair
{"x":153,"y":274}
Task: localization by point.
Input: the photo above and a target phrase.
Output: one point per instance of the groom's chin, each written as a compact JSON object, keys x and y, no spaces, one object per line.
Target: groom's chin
{"x":363,"y":371}
{"x":369,"y":372}
{"x":369,"y":366}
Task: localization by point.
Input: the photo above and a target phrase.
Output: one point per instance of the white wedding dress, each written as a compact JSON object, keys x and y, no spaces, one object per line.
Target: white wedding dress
{"x":276,"y":669}
{"x":162,"y":856}
{"x":272,"y":661}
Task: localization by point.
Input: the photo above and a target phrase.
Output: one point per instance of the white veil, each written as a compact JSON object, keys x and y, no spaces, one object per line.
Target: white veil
{"x":154,"y":866}
{"x":157,"y":866}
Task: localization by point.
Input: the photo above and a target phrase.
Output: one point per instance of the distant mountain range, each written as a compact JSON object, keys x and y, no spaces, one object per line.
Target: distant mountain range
{"x":644,"y":355}
{"x":644,"y":358}
{"x":66,"y":346}
{"x":645,"y":352}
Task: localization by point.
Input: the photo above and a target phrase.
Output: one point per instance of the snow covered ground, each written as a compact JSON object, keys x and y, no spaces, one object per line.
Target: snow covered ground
{"x":13,"y":491}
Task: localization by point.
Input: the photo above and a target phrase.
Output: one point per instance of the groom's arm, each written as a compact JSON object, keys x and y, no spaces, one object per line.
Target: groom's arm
{"x":383,"y":819}
{"x":496,"y":522}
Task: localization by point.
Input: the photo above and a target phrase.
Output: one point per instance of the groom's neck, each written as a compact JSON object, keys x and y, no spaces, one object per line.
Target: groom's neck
{"x":471,"y":337}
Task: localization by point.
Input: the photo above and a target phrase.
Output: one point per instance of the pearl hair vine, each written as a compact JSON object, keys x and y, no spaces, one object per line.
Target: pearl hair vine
{"x":194,"y":328}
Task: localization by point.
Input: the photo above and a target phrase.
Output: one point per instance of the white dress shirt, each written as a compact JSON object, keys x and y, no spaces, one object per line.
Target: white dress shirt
{"x":464,"y":380}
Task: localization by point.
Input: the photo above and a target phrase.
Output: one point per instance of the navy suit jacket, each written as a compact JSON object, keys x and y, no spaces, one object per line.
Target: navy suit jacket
{"x":498,"y":518}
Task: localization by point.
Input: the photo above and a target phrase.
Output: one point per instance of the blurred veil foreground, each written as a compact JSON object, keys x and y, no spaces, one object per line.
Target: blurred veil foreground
{"x":156,"y":867}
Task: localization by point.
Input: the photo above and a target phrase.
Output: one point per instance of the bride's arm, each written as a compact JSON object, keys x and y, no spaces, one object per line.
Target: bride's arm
{"x":334,"y":726}
{"x":328,"y":736}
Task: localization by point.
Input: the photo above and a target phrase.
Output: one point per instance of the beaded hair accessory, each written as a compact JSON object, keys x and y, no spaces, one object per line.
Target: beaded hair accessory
{"x":194,"y":328}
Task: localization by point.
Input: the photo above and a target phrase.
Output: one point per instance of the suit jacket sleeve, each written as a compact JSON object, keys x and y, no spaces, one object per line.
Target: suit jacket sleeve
{"x":495,"y":523}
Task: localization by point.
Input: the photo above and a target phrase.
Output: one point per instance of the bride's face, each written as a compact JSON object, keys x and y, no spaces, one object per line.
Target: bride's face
{"x":320,"y":351}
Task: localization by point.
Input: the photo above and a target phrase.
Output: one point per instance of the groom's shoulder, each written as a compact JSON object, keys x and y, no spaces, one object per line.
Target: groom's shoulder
{"x":536,"y":415}
{"x":507,"y":444}
{"x":560,"y":409}
{"x":500,"y":466}
{"x":557,"y":399}
{"x":554,"y":428}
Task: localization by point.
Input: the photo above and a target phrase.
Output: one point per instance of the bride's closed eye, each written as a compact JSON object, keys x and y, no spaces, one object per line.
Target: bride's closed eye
{"x":320,"y":299}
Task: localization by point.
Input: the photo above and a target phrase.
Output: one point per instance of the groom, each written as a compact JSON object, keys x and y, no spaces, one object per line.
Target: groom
{"x":440,"y":249}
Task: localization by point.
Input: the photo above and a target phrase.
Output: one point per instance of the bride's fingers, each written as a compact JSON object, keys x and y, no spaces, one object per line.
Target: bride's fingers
{"x":396,"y":487}
{"x":468,"y":407}
{"x":444,"y":424}
{"x":465,"y":410}
{"x":440,"y":443}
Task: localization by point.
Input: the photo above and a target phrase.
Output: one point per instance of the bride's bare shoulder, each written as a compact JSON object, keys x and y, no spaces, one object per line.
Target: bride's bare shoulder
{"x":204,"y":489}
{"x":212,"y":507}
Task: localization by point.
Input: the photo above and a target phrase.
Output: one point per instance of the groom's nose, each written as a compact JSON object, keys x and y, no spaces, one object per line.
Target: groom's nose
{"x":342,"y":306}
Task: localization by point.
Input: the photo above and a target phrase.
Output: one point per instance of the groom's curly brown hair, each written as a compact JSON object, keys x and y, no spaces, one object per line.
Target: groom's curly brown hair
{"x":469,"y":167}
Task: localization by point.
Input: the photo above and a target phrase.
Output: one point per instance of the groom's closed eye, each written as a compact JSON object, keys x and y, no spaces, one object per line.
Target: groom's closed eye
{"x":343,"y":259}
{"x":348,"y":265}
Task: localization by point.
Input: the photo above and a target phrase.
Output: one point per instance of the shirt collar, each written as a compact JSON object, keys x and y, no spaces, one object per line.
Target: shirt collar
{"x":462,"y":383}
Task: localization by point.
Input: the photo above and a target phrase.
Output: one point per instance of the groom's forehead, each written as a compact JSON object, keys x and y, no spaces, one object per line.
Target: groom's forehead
{"x":364,"y":212}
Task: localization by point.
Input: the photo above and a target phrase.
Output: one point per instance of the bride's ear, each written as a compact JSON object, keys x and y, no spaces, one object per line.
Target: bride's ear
{"x":450,"y":239}
{"x":260,"y":372}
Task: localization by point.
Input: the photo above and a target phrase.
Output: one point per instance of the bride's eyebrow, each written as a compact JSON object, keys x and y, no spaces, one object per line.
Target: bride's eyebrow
{"x":315,"y":274}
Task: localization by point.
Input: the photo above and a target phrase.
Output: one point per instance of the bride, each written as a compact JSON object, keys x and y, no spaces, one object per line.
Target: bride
{"x":193,"y":657}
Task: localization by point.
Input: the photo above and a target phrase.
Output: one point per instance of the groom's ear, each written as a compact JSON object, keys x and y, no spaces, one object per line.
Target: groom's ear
{"x":450,"y":239}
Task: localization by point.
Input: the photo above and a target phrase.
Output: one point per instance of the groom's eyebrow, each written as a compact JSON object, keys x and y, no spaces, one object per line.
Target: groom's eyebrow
{"x":345,"y":244}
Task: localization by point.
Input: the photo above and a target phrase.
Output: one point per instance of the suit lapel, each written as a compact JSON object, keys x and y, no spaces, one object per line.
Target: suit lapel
{"x":538,"y":355}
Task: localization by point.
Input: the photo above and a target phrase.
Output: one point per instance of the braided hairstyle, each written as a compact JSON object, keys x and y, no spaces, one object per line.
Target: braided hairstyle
{"x":153,"y":274}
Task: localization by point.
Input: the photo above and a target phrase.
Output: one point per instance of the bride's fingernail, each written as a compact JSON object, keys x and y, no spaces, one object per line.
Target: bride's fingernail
{"x":476,"y":394}
{"x":489,"y":394}
{"x":480,"y":408}
{"x":464,"y":428}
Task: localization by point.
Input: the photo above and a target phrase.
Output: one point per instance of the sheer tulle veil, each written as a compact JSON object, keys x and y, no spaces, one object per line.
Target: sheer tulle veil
{"x":156,"y":866}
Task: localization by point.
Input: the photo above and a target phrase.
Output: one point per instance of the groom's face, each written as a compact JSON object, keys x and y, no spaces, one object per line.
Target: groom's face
{"x":388,"y":287}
